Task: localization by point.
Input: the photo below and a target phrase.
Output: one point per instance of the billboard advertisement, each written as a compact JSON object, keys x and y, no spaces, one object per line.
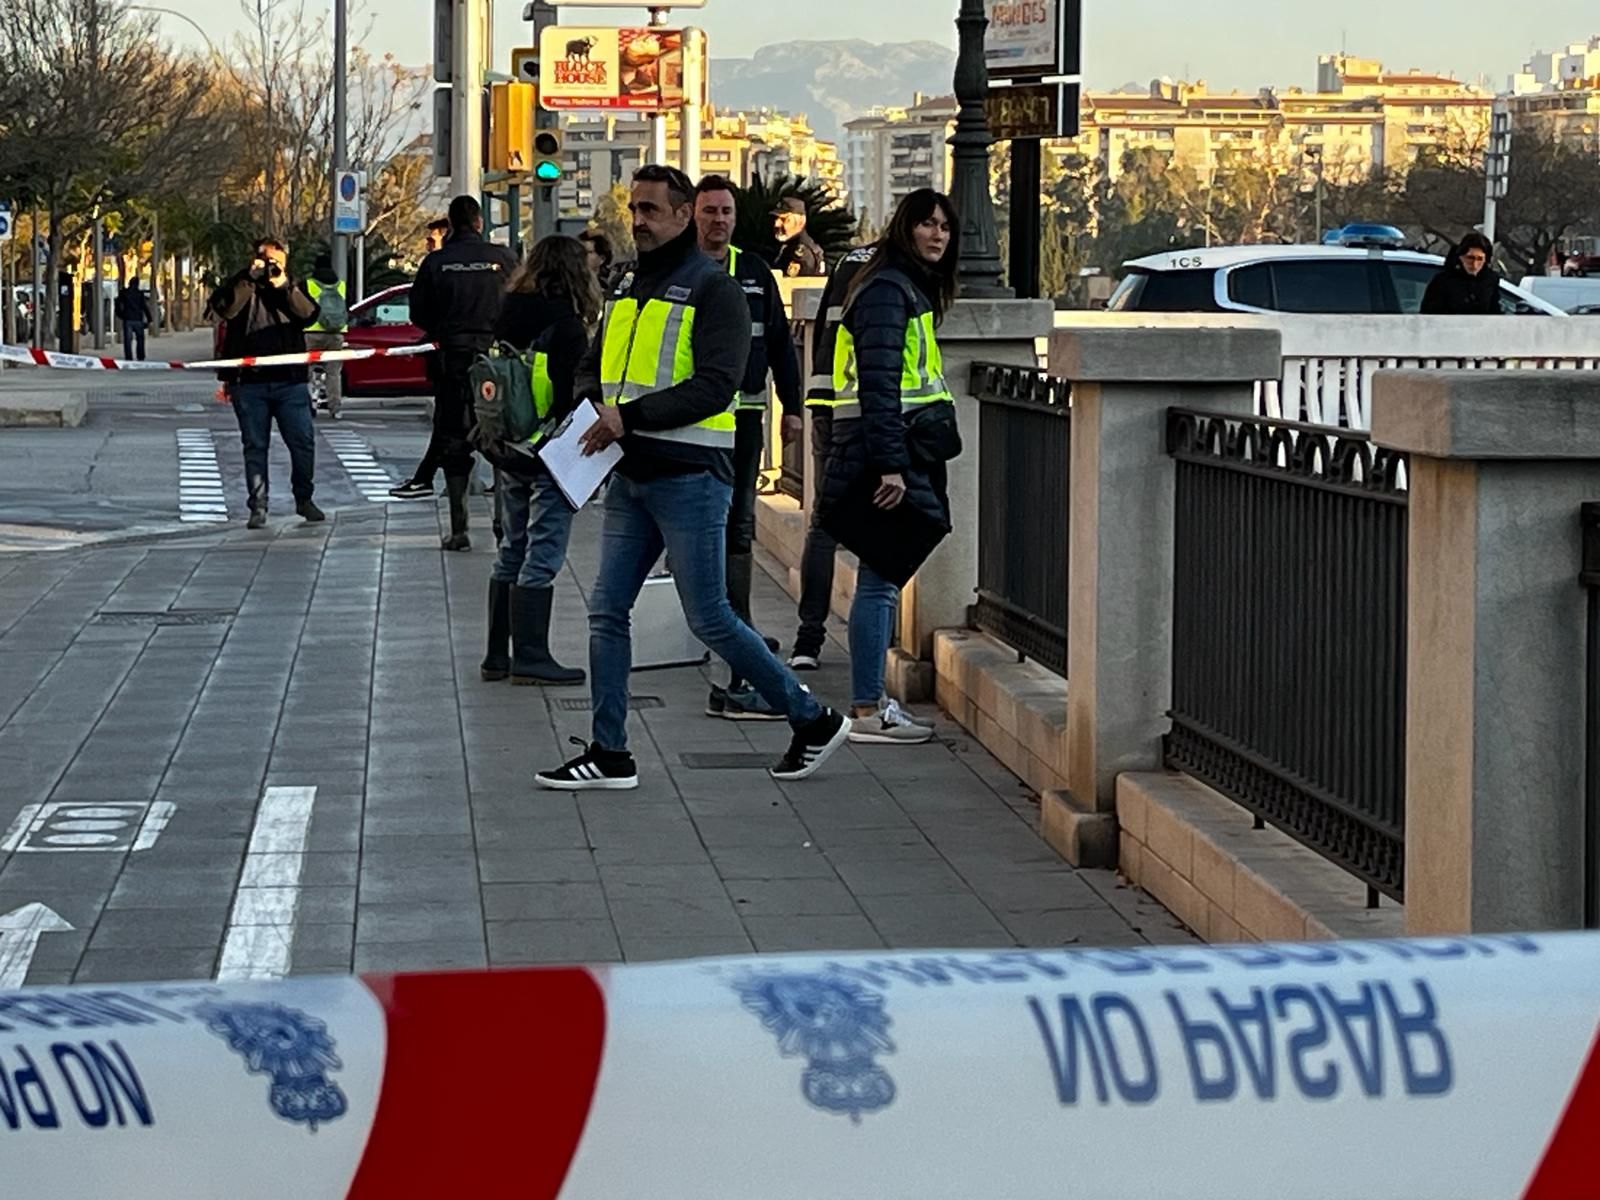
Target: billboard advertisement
{"x":1031,"y":39}
{"x":634,"y":69}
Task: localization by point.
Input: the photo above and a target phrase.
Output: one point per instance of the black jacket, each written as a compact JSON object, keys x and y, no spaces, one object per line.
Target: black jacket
{"x":800,"y":256}
{"x":893,"y":543}
{"x":721,"y":342}
{"x":526,"y":319}
{"x":831,"y":311}
{"x":1455,"y":293}
{"x":263,"y":319}
{"x":456,"y":296}
{"x":133,"y":304}
{"x":774,"y":349}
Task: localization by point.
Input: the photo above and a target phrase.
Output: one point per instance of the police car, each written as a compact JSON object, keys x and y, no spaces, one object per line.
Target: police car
{"x":1362,"y":272}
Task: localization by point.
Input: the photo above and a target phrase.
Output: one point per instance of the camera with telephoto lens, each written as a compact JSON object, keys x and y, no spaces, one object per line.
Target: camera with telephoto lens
{"x":274,"y":271}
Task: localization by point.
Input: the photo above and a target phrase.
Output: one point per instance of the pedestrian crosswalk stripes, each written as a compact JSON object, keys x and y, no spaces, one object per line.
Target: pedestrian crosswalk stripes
{"x":355,"y":456}
{"x":200,"y":496}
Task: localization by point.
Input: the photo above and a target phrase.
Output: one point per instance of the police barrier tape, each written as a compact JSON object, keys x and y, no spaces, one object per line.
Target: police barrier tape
{"x":1452,"y":1067}
{"x":30,"y":356}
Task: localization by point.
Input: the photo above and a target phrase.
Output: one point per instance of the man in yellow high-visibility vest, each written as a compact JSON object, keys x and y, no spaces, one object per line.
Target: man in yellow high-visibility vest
{"x":327,"y":292}
{"x":669,"y":358}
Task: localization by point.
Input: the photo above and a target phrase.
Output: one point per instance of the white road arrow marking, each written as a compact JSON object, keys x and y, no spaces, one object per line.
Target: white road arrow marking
{"x":20,"y":932}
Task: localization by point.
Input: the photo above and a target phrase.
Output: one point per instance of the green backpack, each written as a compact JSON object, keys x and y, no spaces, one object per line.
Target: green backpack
{"x":511,"y":396}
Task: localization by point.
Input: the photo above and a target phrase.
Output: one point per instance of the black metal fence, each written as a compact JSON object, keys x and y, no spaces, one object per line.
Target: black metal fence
{"x":1289,"y":631}
{"x":1024,"y":456}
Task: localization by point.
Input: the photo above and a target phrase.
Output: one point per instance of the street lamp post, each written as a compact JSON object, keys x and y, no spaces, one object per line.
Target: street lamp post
{"x":980,"y":240}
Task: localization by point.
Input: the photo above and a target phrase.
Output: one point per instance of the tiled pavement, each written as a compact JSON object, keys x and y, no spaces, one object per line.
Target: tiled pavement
{"x":203,"y":671}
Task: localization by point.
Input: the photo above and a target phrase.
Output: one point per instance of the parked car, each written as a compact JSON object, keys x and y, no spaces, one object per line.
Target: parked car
{"x":1567,"y":293}
{"x":1292,"y":279}
{"x":384,"y":320}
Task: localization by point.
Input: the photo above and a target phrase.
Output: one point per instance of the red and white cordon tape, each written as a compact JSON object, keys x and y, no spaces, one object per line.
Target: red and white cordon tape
{"x":1451,"y":1067}
{"x":87,"y":362}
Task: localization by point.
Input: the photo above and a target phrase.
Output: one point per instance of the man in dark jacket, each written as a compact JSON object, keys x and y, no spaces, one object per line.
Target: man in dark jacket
{"x":456,"y":300}
{"x":671,"y":353}
{"x":267,"y":313}
{"x":133,"y":310}
{"x":816,"y":564}
{"x":1466,"y":284}
{"x":771,"y":352}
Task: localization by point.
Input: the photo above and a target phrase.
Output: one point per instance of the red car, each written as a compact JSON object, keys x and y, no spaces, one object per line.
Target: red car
{"x":384,"y":319}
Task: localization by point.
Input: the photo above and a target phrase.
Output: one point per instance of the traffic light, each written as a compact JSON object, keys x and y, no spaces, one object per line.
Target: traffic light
{"x":511,"y":127}
{"x":547,"y":165}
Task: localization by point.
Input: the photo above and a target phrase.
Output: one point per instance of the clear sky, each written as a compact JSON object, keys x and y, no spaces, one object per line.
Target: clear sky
{"x":1230,"y":43}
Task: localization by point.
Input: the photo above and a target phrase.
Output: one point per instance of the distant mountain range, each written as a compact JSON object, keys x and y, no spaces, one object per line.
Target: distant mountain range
{"x":832,"y":82}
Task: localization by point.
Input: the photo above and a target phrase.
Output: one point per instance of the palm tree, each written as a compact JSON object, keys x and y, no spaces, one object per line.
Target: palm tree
{"x":833,"y":225}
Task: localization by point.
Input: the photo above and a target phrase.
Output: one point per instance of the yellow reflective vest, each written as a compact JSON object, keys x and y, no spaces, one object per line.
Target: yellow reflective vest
{"x":648,"y":346}
{"x":922,"y":365}
{"x":314,"y":289}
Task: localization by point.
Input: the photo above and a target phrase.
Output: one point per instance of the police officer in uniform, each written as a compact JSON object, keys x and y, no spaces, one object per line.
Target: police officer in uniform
{"x":816,"y":564}
{"x":672,"y":350}
{"x":456,"y":301}
{"x":771,"y":351}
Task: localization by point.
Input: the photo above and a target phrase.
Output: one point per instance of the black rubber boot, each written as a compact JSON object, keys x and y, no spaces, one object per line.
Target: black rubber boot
{"x":456,"y":488}
{"x":497,"y":660}
{"x":531,"y":663}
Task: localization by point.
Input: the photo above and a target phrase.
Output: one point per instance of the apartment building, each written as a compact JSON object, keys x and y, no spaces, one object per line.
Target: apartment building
{"x":891,"y":152}
{"x":1359,"y":119}
{"x":1558,"y":95}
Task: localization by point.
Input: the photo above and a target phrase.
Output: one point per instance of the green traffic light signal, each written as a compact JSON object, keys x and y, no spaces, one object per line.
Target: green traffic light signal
{"x":547,"y":172}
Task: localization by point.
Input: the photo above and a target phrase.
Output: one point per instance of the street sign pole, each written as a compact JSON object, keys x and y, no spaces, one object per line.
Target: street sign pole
{"x":341,"y":148}
{"x":1023,"y":269}
{"x":37,"y":306}
{"x":1498,"y":166}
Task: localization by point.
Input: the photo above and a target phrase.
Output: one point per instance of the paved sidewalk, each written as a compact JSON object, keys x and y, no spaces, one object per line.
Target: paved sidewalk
{"x":210,"y":672}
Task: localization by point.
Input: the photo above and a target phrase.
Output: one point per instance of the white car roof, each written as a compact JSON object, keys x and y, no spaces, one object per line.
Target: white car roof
{"x":1222,"y":257}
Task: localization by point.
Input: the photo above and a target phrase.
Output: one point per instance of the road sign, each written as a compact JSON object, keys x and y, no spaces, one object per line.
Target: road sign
{"x":525,"y":64}
{"x":1033,"y":39}
{"x":1033,"y":110}
{"x":637,"y":69}
{"x":7,"y":223}
{"x":347,"y":206}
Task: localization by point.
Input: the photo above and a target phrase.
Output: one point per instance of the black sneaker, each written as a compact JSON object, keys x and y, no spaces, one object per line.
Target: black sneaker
{"x":813,"y":746}
{"x":411,"y":489}
{"x":310,"y":512}
{"x":717,"y":702}
{"x":805,"y":660}
{"x":595,"y":770}
{"x":258,"y":519}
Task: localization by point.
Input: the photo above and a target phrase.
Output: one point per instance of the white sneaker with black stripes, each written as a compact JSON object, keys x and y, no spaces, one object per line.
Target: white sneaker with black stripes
{"x":813,"y":746}
{"x":595,"y":770}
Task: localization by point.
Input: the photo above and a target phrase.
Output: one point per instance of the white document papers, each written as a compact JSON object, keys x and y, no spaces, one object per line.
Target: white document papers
{"x":562,"y":454}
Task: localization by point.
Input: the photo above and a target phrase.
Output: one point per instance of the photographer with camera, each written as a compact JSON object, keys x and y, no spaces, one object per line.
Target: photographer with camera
{"x":267,"y":312}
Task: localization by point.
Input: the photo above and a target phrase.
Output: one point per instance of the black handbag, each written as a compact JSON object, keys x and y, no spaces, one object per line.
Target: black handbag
{"x":932,"y":435}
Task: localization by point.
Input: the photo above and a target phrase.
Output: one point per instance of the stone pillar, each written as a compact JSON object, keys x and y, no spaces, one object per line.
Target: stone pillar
{"x":999,"y":331}
{"x":1500,"y":463}
{"x":1119,"y":572}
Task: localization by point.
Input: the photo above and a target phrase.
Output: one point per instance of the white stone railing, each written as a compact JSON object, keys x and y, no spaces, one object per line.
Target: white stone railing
{"x":1329,"y":361}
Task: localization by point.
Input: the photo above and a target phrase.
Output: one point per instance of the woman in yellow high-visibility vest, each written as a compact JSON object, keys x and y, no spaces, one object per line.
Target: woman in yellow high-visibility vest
{"x":551,"y":303}
{"x":883,"y":495}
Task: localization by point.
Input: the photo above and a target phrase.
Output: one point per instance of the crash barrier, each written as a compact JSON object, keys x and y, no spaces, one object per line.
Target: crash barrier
{"x":1450,"y":1067}
{"x":32,"y":356}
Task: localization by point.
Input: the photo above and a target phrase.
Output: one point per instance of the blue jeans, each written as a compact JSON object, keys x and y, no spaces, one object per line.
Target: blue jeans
{"x":537,"y":523}
{"x":257,"y":406}
{"x":132,"y":337}
{"x":687,"y":515}
{"x":872,"y":614}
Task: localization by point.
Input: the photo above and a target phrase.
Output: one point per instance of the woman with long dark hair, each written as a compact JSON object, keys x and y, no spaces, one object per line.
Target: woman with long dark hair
{"x":552,"y":301}
{"x":894,"y":429}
